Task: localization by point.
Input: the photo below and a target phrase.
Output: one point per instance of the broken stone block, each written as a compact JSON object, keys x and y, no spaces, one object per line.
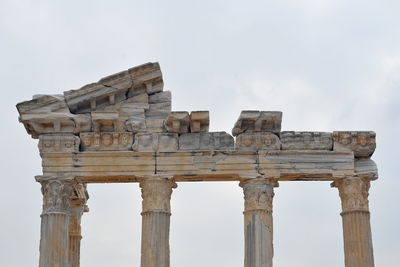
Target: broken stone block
{"x":257,"y":141}
{"x":252,"y":121}
{"x":42,"y":123}
{"x":199,"y":121}
{"x":92,"y":97}
{"x":105,"y":121}
{"x":206,"y":141}
{"x":120,"y":81}
{"x":158,"y":110}
{"x":147,"y":77}
{"x":44,"y":104}
{"x":156,"y":142}
{"x":306,"y":140}
{"x":106,"y":141}
{"x":155,"y":125}
{"x":363,"y":144}
{"x":58,"y":143}
{"x":177,"y":122}
{"x":162,"y":97}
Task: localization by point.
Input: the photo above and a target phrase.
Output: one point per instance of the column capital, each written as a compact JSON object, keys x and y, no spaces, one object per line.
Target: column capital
{"x":259,"y":181}
{"x":258,"y":194}
{"x":156,"y":193}
{"x":353,"y":192}
{"x":56,"y":195}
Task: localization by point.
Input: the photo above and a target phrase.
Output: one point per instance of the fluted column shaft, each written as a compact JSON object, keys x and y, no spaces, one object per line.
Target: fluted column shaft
{"x":357,"y":238}
{"x":156,"y":212}
{"x":258,"y":227}
{"x":74,"y":246}
{"x":54,"y":222}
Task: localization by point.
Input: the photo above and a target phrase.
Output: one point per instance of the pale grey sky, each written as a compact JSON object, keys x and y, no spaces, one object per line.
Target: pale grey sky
{"x":327,"y":64}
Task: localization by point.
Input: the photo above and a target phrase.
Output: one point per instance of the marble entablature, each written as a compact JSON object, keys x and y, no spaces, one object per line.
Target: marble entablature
{"x":130,"y":111}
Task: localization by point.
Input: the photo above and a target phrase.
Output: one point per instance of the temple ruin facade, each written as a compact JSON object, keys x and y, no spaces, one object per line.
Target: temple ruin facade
{"x":121,"y":130}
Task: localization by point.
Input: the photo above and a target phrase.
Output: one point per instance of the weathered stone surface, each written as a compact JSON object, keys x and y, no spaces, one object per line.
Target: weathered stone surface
{"x":251,"y":121}
{"x":120,"y":81}
{"x":58,"y":143}
{"x":162,"y":97}
{"x":206,"y":141}
{"x":305,"y":165}
{"x":146,"y":77}
{"x":105,"y":121}
{"x":199,"y":121}
{"x":115,"y":88}
{"x":92,"y":97}
{"x":257,"y":141}
{"x":363,"y":144}
{"x":50,"y":114}
{"x":306,"y":140}
{"x":42,"y":123}
{"x":162,"y":142}
{"x":365,"y":168}
{"x":258,"y":222}
{"x":43,"y":104}
{"x":154,"y":125}
{"x":156,"y":212}
{"x":177,"y":122}
{"x":107,"y":141}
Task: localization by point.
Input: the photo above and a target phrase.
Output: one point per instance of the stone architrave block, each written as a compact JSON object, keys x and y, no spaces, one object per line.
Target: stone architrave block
{"x":306,"y":140}
{"x":177,"y":122}
{"x":206,"y":141}
{"x":199,"y":121}
{"x":257,"y":141}
{"x":106,"y":141}
{"x":155,"y":142}
{"x":253,"y":121}
{"x":58,"y":143}
{"x":363,"y":144}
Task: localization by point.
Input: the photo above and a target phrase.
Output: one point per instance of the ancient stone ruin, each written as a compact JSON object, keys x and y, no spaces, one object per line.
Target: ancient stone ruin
{"x":121,"y":130}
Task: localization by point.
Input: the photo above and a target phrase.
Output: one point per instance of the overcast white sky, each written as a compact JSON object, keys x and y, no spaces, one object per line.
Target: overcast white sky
{"x":327,"y":64}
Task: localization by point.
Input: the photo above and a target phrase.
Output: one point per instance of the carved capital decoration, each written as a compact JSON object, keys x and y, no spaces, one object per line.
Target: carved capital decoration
{"x":258,"y":194}
{"x":156,"y":194}
{"x":354,"y":193}
{"x":57,"y":195}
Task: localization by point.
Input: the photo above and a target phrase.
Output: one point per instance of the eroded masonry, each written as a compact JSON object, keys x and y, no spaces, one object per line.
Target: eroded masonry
{"x":122,"y":129}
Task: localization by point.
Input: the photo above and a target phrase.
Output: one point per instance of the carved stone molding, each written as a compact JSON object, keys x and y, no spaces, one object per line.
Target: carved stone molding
{"x":107,"y":141}
{"x":162,"y":142}
{"x":257,"y":141}
{"x":353,"y":192}
{"x":58,"y":143}
{"x":363,"y":144}
{"x":156,"y":194}
{"x":306,"y":140}
{"x":258,"y":194}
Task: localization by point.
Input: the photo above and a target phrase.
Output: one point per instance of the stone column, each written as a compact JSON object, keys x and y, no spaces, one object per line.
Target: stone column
{"x":77,"y":208}
{"x":55,"y":221}
{"x":353,"y":192}
{"x":156,"y":212}
{"x":258,"y":195}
